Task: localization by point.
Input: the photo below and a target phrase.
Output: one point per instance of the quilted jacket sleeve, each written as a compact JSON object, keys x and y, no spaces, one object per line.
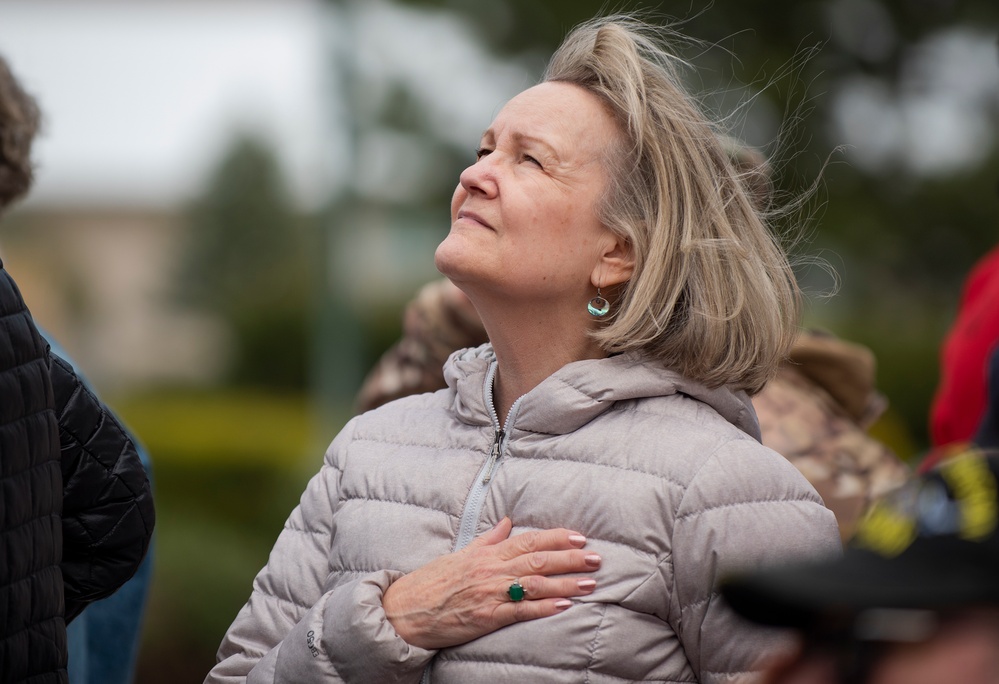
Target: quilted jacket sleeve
{"x":108,"y":514}
{"x":295,"y":631}
{"x":746,"y":507}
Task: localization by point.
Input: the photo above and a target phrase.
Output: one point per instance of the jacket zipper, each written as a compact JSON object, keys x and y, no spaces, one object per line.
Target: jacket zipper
{"x":494,"y":456}
{"x":473,"y":505}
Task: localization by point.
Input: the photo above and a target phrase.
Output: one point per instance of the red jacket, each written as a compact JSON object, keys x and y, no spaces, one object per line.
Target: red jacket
{"x":960,"y":398}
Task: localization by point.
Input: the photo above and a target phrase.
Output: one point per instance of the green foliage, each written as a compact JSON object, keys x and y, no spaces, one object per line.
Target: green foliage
{"x":913,"y":239}
{"x":204,"y":563}
{"x":222,"y":428}
{"x":228,"y":468}
{"x":250,"y":261}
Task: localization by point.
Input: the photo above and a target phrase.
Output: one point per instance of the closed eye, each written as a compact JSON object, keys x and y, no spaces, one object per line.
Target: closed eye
{"x":529,"y":158}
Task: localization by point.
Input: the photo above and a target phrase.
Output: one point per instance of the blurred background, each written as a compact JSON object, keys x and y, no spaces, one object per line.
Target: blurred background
{"x":235,"y":199}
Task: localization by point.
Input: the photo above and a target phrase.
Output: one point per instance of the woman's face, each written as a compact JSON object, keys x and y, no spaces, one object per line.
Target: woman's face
{"x":524,"y":219}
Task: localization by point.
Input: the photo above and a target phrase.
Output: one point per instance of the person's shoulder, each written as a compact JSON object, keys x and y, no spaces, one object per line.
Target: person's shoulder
{"x":413,"y":402}
{"x":406,"y":413}
{"x":10,"y":296}
{"x":708,"y":422}
{"x":420,"y":420}
{"x":743,"y":470}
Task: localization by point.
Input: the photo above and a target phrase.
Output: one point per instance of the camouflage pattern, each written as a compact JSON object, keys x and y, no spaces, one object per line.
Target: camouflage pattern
{"x":815,"y":412}
{"x":437,"y":322}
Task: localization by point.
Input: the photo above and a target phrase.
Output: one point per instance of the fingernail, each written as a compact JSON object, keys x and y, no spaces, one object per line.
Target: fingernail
{"x":562,"y":604}
{"x":592,"y":559}
{"x":577,"y":539}
{"x":586,"y":584}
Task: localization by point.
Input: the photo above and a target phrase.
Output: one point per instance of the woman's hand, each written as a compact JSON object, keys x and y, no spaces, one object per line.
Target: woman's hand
{"x":463,"y":595}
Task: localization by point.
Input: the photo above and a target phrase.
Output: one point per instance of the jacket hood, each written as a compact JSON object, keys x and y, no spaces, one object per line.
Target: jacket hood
{"x":580,"y":391}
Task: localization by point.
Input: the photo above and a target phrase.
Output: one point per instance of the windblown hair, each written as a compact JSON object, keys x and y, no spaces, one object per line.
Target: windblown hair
{"x":19,"y":121}
{"x":713,"y":295}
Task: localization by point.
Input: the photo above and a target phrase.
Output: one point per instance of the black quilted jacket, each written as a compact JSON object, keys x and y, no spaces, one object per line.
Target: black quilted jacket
{"x":76,"y":509}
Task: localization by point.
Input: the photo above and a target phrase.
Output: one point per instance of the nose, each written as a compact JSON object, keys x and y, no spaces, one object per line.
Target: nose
{"x":480,"y":177}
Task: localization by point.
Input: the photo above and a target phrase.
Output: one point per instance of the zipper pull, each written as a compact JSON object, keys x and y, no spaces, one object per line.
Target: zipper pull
{"x":493,"y":456}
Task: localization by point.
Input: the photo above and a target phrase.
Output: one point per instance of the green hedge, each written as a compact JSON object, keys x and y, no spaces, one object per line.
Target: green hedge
{"x":228,"y":467}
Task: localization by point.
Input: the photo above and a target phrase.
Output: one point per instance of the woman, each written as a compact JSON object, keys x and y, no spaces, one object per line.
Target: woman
{"x":562,"y":511}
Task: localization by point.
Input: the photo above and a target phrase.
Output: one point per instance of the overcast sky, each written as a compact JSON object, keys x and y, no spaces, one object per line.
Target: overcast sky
{"x":140,"y":98}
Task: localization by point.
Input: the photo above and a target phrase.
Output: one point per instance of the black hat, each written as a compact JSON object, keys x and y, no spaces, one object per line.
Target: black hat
{"x":931,"y":545}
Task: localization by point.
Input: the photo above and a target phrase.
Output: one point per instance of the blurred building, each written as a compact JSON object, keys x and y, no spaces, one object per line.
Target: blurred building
{"x":98,"y":279}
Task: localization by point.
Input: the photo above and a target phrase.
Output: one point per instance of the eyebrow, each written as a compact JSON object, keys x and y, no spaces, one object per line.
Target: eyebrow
{"x":521,"y":138}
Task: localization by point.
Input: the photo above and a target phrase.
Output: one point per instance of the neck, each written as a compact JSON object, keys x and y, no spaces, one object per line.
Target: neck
{"x":530,"y":346}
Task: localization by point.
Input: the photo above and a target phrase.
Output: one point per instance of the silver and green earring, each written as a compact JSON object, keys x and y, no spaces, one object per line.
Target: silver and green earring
{"x":598,"y":306}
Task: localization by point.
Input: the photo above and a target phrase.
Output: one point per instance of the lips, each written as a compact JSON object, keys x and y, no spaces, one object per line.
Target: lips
{"x":472,"y":216}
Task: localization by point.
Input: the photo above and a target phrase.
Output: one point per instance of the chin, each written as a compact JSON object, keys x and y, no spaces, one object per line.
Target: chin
{"x":451,"y":257}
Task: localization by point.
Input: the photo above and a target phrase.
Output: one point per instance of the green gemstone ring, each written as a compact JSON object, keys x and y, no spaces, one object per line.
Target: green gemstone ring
{"x":516,"y":591}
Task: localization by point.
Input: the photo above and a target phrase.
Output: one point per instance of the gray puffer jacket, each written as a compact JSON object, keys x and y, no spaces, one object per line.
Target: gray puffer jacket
{"x":665,"y":478}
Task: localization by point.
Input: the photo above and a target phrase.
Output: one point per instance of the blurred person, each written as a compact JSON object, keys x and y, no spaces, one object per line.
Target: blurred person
{"x":959,"y":401}
{"x":815,"y":412}
{"x":915,"y":597}
{"x":913,"y":600}
{"x":103,"y":641}
{"x":562,"y":509}
{"x":76,"y":514}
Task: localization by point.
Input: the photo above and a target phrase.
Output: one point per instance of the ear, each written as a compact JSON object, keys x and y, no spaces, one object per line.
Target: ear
{"x":616,"y":263}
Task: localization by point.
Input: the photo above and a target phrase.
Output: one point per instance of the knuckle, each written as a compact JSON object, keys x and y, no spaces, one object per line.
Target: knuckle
{"x":523,"y":611}
{"x":538,"y":561}
{"x":530,"y":542}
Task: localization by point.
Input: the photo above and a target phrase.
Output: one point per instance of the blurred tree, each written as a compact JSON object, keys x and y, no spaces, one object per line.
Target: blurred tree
{"x":248,"y":261}
{"x":403,"y":170}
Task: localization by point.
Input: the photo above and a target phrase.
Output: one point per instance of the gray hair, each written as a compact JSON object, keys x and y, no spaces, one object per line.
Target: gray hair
{"x":713,"y":295}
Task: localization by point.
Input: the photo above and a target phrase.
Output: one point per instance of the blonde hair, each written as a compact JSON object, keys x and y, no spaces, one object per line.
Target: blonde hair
{"x":713,"y":295}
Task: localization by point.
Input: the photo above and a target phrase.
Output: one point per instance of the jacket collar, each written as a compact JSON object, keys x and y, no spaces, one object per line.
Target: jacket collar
{"x":580,"y":391}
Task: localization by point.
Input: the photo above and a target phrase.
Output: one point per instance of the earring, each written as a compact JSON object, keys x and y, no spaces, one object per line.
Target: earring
{"x":598,"y":306}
